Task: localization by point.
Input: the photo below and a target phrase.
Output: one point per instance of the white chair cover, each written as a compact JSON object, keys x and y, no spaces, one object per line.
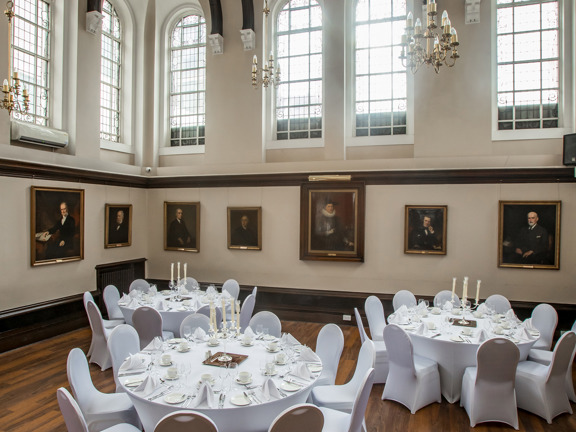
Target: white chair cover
{"x":498,"y":303}
{"x":139,"y":284}
{"x":442,"y":297}
{"x":99,"y":345}
{"x":403,"y":297}
{"x":376,"y":318}
{"x":246,"y":311}
{"x":100,"y":410}
{"x":360,"y":325}
{"x":342,"y":397}
{"x":544,"y":318}
{"x":303,"y":417}
{"x":541,"y":389}
{"x":148,"y":323}
{"x":337,"y":421}
{"x":329,"y":346}
{"x":413,"y":381}
{"x":488,"y":389}
{"x":111,"y":299}
{"x":191,"y":283}
{"x":232,"y":287}
{"x":194,"y":321}
{"x":75,"y":420}
{"x":254,"y":291}
{"x":381,"y":365}
{"x":186,"y":421}
{"x":122,"y":342}
{"x":268,"y":320}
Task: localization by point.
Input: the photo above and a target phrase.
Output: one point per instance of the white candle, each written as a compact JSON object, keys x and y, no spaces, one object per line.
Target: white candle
{"x":453,"y":288}
{"x":478,"y":291}
{"x":171,"y":272}
{"x":232,"y":310}
{"x":238,"y":314}
{"x":465,"y":290}
{"x":178,"y":270}
{"x":185,"y":267}
{"x":223,"y":313}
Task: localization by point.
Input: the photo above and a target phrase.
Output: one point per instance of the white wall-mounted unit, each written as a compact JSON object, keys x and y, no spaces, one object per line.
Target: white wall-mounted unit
{"x":39,"y":135}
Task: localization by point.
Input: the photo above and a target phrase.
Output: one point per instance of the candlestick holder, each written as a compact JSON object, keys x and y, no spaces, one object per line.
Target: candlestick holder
{"x":465,"y":307}
{"x":225,"y":357}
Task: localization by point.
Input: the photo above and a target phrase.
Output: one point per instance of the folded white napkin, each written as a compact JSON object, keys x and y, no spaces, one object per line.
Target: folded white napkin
{"x":125,"y":299}
{"x":307,"y":355}
{"x":483,"y":309}
{"x":448,"y":306}
{"x":182,"y":290}
{"x":132,"y":363}
{"x":155,"y":345}
{"x":528,"y":325}
{"x":134,"y":293}
{"x":482,"y":336}
{"x":153,"y":290}
{"x":149,"y":385}
{"x":226,"y":295}
{"x":301,"y":371}
{"x":523,"y":333}
{"x":162,"y":305}
{"x":133,"y":303}
{"x":400,"y":316}
{"x":211,"y":290}
{"x":249,"y":332}
{"x":422,"y":329}
{"x":511,"y":316}
{"x":289,"y":340}
{"x":269,"y":390}
{"x":205,"y":395}
{"x":199,"y":333}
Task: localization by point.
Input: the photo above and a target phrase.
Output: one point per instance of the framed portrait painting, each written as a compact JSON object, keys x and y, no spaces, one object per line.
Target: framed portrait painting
{"x":57,"y":225}
{"x":182,"y":226}
{"x":332,"y":221}
{"x":245,"y":228}
{"x":529,"y":234}
{"x":425,"y":229}
{"x":118,"y":225}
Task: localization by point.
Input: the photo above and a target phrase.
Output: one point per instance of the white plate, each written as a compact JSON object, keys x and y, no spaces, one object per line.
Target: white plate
{"x":243,"y":382}
{"x":133,"y":382}
{"x":240,"y":400}
{"x":183,"y":350}
{"x":166,"y":377}
{"x":456,"y":339}
{"x":175,"y":340}
{"x":175,"y":398}
{"x":165,"y":364}
{"x":270,"y":374}
{"x":314,"y":367}
{"x":289,"y":387}
{"x":433,"y":312}
{"x":272,"y":351}
{"x":182,"y":309}
{"x":213,"y":345}
{"x":248,"y":345}
{"x":534,"y":332}
{"x":280,"y":363}
{"x":269,"y":338}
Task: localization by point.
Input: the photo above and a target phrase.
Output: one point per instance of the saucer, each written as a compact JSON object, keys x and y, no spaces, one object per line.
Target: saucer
{"x":289,"y":387}
{"x":314,"y":368}
{"x":280,"y":363}
{"x":270,"y":373}
{"x":175,"y":340}
{"x":213,"y":345}
{"x":240,"y":400}
{"x":435,"y":312}
{"x":272,"y":351}
{"x":133,"y":382}
{"x":166,"y":377}
{"x":175,"y":398}
{"x":165,"y":364}
{"x":183,"y":350}
{"x":456,"y":339}
{"x":269,"y":338}
{"x":243,"y":382}
{"x":166,"y":292}
{"x":247,"y":344}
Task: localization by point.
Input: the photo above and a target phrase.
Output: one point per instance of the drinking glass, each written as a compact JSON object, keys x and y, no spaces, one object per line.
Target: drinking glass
{"x":187,"y":332}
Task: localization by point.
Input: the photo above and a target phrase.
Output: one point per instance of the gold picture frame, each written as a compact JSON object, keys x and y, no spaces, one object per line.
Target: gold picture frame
{"x":245,"y":228}
{"x":425,"y":229}
{"x":118,"y":225}
{"x":182,"y":226}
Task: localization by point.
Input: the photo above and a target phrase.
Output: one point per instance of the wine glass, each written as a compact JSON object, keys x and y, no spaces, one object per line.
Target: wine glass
{"x":187,"y":332}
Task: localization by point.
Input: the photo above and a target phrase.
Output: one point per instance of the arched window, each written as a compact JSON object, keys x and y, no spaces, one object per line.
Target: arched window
{"x":188,"y":82}
{"x":31,"y":56}
{"x":110,"y":75}
{"x":298,"y":41}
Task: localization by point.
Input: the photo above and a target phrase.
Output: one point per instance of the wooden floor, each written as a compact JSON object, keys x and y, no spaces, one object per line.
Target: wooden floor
{"x":29,"y":377}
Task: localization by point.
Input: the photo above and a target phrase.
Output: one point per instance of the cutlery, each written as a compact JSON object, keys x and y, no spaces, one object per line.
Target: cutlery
{"x":282,"y":393}
{"x":124,"y":374}
{"x":221,"y":400}
{"x":160,"y":394}
{"x":248,"y":397}
{"x":251,"y":393}
{"x":288,"y":380}
{"x":435,"y":336}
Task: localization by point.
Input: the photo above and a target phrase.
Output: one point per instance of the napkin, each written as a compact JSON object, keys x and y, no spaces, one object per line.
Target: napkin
{"x":482,"y":336}
{"x":448,"y":306}
{"x":307,"y":355}
{"x":288,"y":340}
{"x":162,"y":305}
{"x":528,"y":325}
{"x":400,"y":316}
{"x":149,"y":385}
{"x":205,"y":395}
{"x":483,"y":309}
{"x":133,"y":303}
{"x":249,"y":332}
{"x":511,"y":316}
{"x":153,"y":290}
{"x":211,"y":290}
{"x":132,"y":363}
{"x":422,"y":329}
{"x":134,"y":293}
{"x":125,"y":299}
{"x":199,"y":333}
{"x":226,"y":295}
{"x":270,"y":390}
{"x":301,"y":371}
{"x":155,"y":345}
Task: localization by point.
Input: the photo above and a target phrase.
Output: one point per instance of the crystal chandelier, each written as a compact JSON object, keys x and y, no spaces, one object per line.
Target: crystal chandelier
{"x":269,"y":74}
{"x":11,"y":86}
{"x":428,"y":47}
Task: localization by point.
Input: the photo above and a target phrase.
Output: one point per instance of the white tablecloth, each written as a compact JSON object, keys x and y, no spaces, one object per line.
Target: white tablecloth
{"x":251,"y":418}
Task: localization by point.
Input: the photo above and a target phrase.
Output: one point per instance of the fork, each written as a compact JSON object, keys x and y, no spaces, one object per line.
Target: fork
{"x":251,"y":393}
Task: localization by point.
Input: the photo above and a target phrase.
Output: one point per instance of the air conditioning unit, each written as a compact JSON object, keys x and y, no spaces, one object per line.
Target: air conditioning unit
{"x":39,"y":135}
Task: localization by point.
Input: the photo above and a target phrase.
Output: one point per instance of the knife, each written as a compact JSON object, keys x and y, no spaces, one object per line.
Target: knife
{"x":221,"y":400}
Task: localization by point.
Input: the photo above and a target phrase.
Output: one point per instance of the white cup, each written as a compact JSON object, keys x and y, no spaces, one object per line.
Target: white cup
{"x":166,"y":359}
{"x":270,"y":368}
{"x":207,"y":378}
{"x":498,"y":330}
{"x":466,"y":331}
{"x":273,"y":346}
{"x":247,"y":340}
{"x":431,"y":325}
{"x":477,"y":314}
{"x":281,"y":358}
{"x":186,"y":303}
{"x":172,"y":372}
{"x":505,"y":325}
{"x":183,"y":346}
{"x":244,"y":376}
{"x":213,"y":341}
{"x":436,"y":310}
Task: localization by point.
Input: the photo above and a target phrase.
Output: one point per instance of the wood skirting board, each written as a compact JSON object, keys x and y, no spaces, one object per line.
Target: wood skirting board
{"x":24,"y":325}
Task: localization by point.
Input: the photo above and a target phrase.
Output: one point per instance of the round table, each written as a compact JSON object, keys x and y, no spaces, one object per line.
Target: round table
{"x":254,"y":417}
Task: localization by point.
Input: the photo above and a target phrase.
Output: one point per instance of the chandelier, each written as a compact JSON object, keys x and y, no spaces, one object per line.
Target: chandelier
{"x":269,"y":74}
{"x":425,"y":46}
{"x":11,"y":86}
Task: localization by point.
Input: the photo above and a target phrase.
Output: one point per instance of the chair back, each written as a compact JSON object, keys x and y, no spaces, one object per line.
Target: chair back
{"x":545,"y":318}
{"x":268,"y":320}
{"x":254,"y":291}
{"x":122,"y":342}
{"x":111,"y":299}
{"x":329,"y":346}
{"x":375,"y":316}
{"x":87,"y":298}
{"x":403,"y":297}
{"x":498,"y":303}
{"x":366,"y":360}
{"x":246,"y":311}
{"x":233,"y":288}
{"x":140,"y":285}
{"x":95,"y":318}
{"x":360,"y":324}
{"x":561,"y":356}
{"x":148,"y":323}
{"x":304,"y":417}
{"x":361,"y":401}
{"x":191,"y":283}
{"x":186,"y":421}
{"x":80,"y":379}
{"x":443,"y":296}
{"x":71,"y":412}
{"x":497,"y":360}
{"x":399,"y":346}
{"x":194,"y":321}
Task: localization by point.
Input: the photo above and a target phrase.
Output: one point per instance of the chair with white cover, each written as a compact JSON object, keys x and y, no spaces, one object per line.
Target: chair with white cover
{"x":381,"y":365}
{"x":342,"y":397}
{"x":544,"y":318}
{"x":233,"y":288}
{"x":194,"y":321}
{"x":338,"y":421}
{"x":140,"y":285}
{"x":304,"y":417}
{"x":100,"y":410}
{"x":498,"y":303}
{"x":246,"y":311}
{"x":488,"y":388}
{"x":186,"y":421}
{"x":74,"y":418}
{"x":108,"y":323}
{"x":413,"y":381}
{"x":122,"y":342}
{"x":375,"y":316}
{"x":268,"y":320}
{"x":403,"y":297}
{"x":111,"y":299}
{"x":254,"y":291}
{"x":148,"y":323}
{"x":191,"y":283}
{"x":99,"y":344}
{"x":205,"y":310}
{"x":541,"y":389}
{"x":329,"y":346}
{"x":443,"y":296}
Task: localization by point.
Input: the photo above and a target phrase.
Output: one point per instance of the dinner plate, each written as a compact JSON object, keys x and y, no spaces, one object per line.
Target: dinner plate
{"x":314,"y":367}
{"x":133,"y":382}
{"x":175,"y":340}
{"x":289,"y":387}
{"x":182,"y":309}
{"x":174,"y":398}
{"x":456,"y":339}
{"x":240,"y":400}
